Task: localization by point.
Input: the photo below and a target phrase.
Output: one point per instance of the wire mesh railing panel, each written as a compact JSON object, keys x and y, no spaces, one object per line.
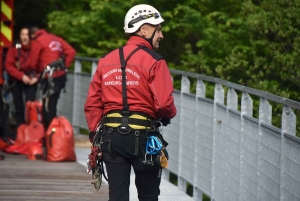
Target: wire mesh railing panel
{"x":171,"y":135}
{"x":219,"y":154}
{"x":234,"y":133}
{"x":291,"y":169}
{"x":81,"y":98}
{"x":204,"y":144}
{"x":187,"y":137}
{"x":269,"y":163}
{"x":65,"y":102}
{"x":249,"y":166}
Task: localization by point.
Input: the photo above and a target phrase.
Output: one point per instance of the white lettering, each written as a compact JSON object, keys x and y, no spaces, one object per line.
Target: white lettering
{"x":109,"y":73}
{"x":119,"y":77}
{"x":132,"y":83}
{"x":130,"y":71}
{"x":55,"y":46}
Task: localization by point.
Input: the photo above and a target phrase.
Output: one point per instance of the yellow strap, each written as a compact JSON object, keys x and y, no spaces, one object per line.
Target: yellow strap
{"x":131,"y":126}
{"x":134,"y":116}
{"x":114,"y":115}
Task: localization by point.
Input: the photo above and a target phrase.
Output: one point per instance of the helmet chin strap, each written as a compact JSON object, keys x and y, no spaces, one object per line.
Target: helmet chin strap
{"x":149,"y":40}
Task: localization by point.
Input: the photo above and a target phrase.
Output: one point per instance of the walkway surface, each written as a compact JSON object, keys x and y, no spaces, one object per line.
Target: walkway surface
{"x":168,"y":191}
{"x":25,"y":180}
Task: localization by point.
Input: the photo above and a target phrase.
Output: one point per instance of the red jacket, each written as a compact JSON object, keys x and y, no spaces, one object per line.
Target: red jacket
{"x":53,"y":47}
{"x":149,"y":84}
{"x":28,"y":59}
{"x":1,"y":75}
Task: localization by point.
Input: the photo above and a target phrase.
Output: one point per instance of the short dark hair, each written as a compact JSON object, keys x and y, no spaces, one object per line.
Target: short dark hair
{"x":33,"y":30}
{"x":24,"y":27}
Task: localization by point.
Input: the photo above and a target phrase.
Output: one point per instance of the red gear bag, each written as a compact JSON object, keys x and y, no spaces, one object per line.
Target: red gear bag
{"x":60,"y":140}
{"x":34,"y":111}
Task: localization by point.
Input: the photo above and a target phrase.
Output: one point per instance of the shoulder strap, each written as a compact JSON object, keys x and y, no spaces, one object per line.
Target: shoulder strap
{"x":123,"y":66}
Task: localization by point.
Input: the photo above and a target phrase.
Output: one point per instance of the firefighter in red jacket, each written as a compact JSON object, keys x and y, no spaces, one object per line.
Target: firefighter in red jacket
{"x":21,"y":64}
{"x":53,"y":49}
{"x":129,"y":100}
{"x":4,"y":109}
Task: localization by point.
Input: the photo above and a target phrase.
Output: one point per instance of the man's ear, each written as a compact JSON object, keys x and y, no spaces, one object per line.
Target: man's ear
{"x":143,"y":30}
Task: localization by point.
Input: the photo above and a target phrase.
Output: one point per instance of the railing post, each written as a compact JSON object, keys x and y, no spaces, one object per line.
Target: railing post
{"x":76,"y":94}
{"x":200,"y":92}
{"x":232,"y":103}
{"x":265,"y":116}
{"x":232,"y":99}
{"x":218,"y":98}
{"x":185,"y":88}
{"x":200,"y":89}
{"x":288,"y":125}
{"x":94,"y":68}
{"x":246,"y":109}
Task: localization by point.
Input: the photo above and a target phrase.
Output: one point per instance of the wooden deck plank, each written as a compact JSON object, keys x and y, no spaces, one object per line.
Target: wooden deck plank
{"x":22,"y":179}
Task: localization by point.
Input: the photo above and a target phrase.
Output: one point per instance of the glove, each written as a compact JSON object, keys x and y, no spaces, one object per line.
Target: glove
{"x":165,"y":121}
{"x":91,"y":136}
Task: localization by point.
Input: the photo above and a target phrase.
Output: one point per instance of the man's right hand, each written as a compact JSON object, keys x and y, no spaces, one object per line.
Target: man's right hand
{"x":25,"y":79}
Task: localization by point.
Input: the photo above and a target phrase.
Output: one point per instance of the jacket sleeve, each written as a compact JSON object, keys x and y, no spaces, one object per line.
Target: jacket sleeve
{"x":161,"y":86}
{"x":93,"y":106}
{"x":34,"y":57}
{"x":10,"y":65}
{"x":68,"y":51}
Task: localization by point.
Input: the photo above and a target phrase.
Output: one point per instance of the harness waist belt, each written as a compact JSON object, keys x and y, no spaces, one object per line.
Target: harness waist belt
{"x":135,"y":121}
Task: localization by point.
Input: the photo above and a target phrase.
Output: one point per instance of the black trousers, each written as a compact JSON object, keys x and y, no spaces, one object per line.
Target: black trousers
{"x":17,"y":92}
{"x":4,"y":113}
{"x":50,"y":105}
{"x":118,"y":156}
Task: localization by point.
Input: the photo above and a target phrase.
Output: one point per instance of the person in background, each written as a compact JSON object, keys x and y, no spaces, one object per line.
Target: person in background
{"x":21,"y":64}
{"x":53,"y":49}
{"x":4,"y":108}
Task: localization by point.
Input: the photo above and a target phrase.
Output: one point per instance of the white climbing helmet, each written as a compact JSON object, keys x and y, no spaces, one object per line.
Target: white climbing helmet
{"x":139,"y":15}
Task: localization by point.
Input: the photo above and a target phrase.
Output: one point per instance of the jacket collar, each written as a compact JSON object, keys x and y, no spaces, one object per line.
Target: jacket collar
{"x":26,"y":47}
{"x":39,"y":32}
{"x":137,"y":40}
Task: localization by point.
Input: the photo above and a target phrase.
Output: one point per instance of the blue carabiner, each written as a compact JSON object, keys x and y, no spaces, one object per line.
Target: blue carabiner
{"x":153,"y":145}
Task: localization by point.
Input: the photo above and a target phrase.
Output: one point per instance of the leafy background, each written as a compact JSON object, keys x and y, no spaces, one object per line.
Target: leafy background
{"x":254,"y":43}
{"x":251,"y":42}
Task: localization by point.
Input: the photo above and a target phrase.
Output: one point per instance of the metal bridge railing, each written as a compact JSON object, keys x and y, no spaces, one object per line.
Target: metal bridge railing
{"x":222,"y":151}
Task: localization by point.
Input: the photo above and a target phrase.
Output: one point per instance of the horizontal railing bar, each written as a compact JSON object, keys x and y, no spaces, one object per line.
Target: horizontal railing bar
{"x":241,"y":88}
{"x":221,"y":105}
{"x":207,"y":100}
{"x":292,"y":137}
{"x":86,"y":59}
{"x":189,"y":95}
{"x":271,"y":127}
{"x":254,"y":120}
{"x":234,"y":112}
{"x":259,"y":93}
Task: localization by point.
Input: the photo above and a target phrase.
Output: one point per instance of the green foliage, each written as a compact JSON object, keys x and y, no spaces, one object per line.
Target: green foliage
{"x":254,"y":43}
